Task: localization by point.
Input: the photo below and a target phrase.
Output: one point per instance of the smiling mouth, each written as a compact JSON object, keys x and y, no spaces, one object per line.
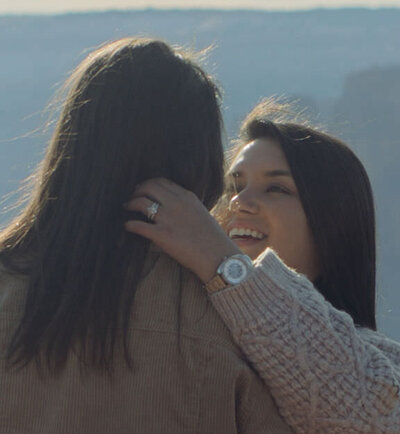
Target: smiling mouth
{"x":245,"y":234}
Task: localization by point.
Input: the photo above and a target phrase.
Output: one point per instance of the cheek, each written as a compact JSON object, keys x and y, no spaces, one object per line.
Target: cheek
{"x":289,"y":221}
{"x":224,"y":218}
{"x":291,"y":236}
{"x":222,"y":213}
{"x":300,"y":248}
{"x":296,"y":231}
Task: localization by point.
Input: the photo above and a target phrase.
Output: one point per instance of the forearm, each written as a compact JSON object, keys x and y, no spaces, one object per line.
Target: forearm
{"x":322,"y":374}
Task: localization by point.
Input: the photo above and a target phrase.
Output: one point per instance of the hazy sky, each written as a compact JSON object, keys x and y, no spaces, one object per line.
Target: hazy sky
{"x":58,"y":6}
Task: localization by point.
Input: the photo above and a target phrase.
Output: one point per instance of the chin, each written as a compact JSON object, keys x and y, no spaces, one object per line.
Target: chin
{"x":255,"y":255}
{"x":253,"y":251}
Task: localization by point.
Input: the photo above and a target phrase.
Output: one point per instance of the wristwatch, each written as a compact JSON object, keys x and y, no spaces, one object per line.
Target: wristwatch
{"x":231,"y":271}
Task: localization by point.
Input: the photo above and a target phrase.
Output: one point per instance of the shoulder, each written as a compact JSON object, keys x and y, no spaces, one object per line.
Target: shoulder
{"x":389,"y":347}
{"x":173,"y":299}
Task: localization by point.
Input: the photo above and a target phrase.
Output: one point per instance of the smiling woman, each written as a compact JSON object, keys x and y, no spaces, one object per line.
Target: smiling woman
{"x":299,"y":202}
{"x":323,"y":224}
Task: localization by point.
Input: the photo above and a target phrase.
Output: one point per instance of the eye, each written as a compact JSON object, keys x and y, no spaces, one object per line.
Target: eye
{"x":276,"y":188}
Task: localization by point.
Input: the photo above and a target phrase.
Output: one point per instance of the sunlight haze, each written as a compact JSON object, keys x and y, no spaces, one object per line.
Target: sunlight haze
{"x":60,"y":6}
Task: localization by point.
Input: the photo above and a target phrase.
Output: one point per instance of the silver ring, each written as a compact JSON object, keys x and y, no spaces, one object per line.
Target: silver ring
{"x":152,"y":211}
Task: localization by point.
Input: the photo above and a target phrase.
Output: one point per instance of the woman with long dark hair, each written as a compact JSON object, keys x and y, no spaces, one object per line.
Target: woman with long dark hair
{"x":300,"y":204}
{"x":99,"y":331}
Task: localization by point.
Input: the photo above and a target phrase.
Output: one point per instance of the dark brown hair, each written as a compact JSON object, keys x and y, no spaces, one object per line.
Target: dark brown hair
{"x":135,"y":109}
{"x":337,"y":199}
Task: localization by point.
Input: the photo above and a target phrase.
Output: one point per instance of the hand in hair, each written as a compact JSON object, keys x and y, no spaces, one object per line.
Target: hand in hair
{"x":182,"y":226}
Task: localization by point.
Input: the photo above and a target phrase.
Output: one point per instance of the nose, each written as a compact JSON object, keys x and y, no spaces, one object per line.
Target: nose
{"x":244,"y":202}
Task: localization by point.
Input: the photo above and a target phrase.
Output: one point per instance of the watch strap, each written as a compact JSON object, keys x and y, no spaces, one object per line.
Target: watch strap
{"x":215,"y":284}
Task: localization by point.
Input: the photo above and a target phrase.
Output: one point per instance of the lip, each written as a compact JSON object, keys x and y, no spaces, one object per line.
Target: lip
{"x":243,"y":243}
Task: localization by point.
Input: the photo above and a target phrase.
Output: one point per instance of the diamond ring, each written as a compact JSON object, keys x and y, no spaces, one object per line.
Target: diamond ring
{"x":152,"y":211}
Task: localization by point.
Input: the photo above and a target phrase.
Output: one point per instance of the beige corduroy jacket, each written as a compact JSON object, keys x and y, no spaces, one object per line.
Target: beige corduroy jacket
{"x":188,"y":375}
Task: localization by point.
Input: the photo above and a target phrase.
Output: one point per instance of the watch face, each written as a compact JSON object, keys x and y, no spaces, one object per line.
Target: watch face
{"x":234,"y":271}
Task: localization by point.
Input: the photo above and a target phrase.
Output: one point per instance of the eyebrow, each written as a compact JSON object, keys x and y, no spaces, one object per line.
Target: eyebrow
{"x":268,"y":173}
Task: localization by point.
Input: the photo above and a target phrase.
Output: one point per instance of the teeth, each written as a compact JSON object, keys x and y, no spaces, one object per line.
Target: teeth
{"x":247,"y":232}
{"x":257,"y":235}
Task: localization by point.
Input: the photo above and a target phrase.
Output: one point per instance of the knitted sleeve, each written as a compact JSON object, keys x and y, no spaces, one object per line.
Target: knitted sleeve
{"x":326,"y":375}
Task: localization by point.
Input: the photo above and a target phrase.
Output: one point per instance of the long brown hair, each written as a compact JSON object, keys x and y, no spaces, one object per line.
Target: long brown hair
{"x":135,"y":109}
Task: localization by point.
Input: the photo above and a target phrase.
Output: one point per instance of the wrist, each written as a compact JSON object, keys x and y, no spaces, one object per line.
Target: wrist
{"x":232,"y":270}
{"x":213,"y":259}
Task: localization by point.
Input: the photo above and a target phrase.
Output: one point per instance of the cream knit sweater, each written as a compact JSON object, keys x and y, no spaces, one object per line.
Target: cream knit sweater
{"x":326,"y":375}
